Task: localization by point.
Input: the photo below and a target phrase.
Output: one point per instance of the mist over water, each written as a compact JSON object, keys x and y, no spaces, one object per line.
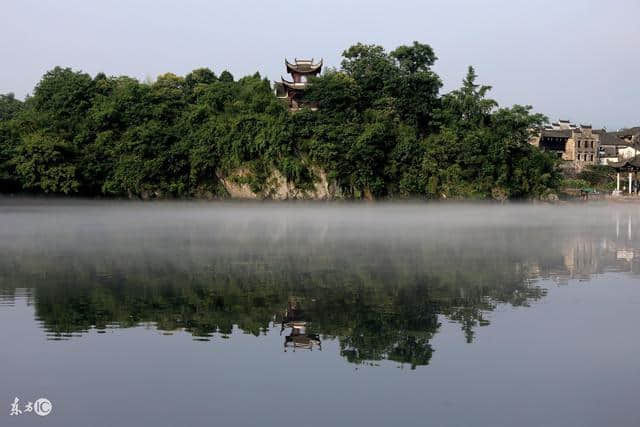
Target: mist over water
{"x":318,"y":305}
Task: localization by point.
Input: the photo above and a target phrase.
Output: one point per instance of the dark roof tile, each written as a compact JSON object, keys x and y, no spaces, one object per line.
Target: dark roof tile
{"x":564,"y":133}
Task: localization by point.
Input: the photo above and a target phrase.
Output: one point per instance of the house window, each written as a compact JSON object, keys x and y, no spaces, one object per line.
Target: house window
{"x":579,"y":143}
{"x":591,"y":158}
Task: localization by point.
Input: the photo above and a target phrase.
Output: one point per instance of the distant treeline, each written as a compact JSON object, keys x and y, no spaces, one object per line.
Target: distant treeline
{"x":382,"y":129}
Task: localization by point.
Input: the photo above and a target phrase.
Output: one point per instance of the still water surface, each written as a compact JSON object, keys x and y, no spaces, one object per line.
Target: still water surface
{"x":168,"y":314}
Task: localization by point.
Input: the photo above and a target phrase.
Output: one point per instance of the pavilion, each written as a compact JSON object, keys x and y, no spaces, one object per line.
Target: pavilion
{"x":630,"y":166}
{"x":292,"y":92}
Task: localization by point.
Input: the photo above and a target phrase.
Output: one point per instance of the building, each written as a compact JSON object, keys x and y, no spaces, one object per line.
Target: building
{"x":619,"y":146}
{"x":610,"y":147}
{"x":581,"y":145}
{"x":631,"y":135}
{"x":292,"y":92}
{"x":577,"y":145}
{"x":631,"y":146}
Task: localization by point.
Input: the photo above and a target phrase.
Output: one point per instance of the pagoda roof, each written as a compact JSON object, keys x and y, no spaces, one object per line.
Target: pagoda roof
{"x":303,"y":66}
{"x":293,"y":85}
{"x":629,"y":164}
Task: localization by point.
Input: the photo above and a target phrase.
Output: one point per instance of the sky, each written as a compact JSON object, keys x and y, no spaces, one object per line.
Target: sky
{"x":569,"y":59}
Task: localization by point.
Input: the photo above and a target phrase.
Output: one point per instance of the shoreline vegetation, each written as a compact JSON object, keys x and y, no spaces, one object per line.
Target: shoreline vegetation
{"x":382,"y":130}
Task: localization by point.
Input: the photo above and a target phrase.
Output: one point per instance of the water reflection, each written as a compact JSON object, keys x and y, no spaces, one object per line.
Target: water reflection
{"x":294,"y":321}
{"x":379,"y":282}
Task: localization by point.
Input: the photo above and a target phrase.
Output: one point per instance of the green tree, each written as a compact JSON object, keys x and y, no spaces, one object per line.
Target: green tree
{"x":9,"y":106}
{"x":44,"y":163}
{"x":381,"y":129}
{"x":482,"y":151}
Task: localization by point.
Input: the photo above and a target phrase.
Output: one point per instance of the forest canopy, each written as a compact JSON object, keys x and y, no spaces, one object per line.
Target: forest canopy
{"x":382,"y":130}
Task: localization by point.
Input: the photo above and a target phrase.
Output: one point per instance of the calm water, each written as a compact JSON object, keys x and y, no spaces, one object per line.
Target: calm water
{"x":169,"y":314}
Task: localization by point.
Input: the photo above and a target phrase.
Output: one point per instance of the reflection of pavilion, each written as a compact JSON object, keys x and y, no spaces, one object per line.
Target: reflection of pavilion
{"x":298,"y":336}
{"x":626,"y":250}
{"x":587,"y":254}
{"x":626,"y":255}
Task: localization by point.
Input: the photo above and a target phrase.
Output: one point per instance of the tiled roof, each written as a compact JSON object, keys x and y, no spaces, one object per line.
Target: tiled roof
{"x":303,"y":66}
{"x":294,"y":85}
{"x":630,"y":163}
{"x":564,"y":133}
{"x":609,"y":138}
{"x":629,"y":132}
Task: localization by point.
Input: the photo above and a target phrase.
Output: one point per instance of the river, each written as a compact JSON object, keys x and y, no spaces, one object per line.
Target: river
{"x":238,"y":314}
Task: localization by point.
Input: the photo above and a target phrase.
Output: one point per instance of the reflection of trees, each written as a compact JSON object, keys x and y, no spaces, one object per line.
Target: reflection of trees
{"x":394,"y":323}
{"x":380,"y":289}
{"x":380,"y":295}
{"x":375,"y":313}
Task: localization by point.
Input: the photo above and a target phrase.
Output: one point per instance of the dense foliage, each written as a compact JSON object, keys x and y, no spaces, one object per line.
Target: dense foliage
{"x":602,"y":177}
{"x":382,"y":130}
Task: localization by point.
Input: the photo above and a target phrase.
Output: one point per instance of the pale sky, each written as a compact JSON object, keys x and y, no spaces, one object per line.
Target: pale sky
{"x":573,"y":59}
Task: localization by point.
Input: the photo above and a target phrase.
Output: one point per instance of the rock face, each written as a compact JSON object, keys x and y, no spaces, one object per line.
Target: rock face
{"x":277,"y":187}
{"x":235,"y":184}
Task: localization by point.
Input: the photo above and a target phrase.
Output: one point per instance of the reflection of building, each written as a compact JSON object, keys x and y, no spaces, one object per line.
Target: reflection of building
{"x":582,"y":258}
{"x":298,"y":337}
{"x":626,"y":255}
{"x":585,"y":255}
{"x":292,"y":92}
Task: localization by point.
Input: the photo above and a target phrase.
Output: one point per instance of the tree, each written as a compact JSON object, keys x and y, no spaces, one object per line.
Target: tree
{"x":9,"y":140}
{"x":226,"y":77}
{"x":44,"y":164}
{"x":371,"y":68}
{"x":417,"y":86}
{"x":486,"y":149}
{"x":64,"y":96}
{"x":9,"y":106}
{"x":416,"y":58}
{"x":381,"y":129}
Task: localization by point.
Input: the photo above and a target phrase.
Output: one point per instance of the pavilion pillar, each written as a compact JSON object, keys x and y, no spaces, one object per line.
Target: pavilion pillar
{"x":630,"y":175}
{"x":618,"y":182}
